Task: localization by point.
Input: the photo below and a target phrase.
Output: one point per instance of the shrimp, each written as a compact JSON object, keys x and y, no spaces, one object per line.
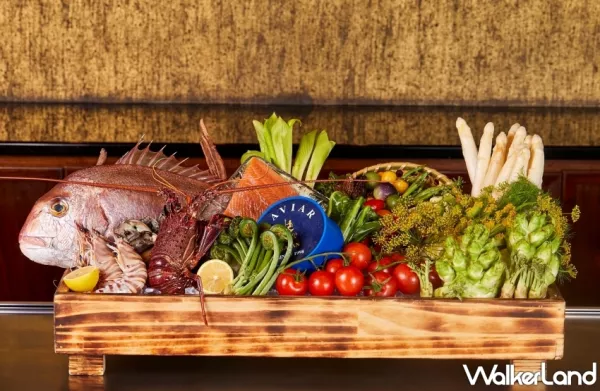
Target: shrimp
{"x":122,"y":269}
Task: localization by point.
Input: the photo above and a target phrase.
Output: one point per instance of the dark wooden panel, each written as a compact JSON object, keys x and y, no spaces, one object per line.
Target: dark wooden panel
{"x":347,"y":125}
{"x":583,"y":189}
{"x":20,"y":278}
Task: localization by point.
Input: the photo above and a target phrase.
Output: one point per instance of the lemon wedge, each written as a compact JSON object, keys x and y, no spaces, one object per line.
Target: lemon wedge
{"x":83,"y":279}
{"x":216,"y":276}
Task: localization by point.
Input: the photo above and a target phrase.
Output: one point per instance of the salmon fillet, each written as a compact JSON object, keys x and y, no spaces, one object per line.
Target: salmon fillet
{"x":252,"y":203}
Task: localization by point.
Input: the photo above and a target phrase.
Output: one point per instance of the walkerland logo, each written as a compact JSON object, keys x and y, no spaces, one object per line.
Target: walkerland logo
{"x":510,"y":378}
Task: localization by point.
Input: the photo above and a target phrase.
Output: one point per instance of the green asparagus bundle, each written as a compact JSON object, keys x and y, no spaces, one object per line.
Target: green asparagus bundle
{"x":472,"y":268}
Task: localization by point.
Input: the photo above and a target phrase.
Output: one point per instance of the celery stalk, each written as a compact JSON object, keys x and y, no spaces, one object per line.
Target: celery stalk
{"x":263,"y":134}
{"x":304,"y":154}
{"x":281,"y":135}
{"x":270,"y":121}
{"x":248,"y":154}
{"x":322,"y":149}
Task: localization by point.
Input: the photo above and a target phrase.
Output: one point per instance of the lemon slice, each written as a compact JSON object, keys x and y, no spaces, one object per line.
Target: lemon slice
{"x":83,"y":279}
{"x":216,"y":276}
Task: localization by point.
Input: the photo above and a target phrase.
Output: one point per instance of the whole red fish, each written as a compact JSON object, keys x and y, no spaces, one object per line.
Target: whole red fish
{"x":50,"y":231}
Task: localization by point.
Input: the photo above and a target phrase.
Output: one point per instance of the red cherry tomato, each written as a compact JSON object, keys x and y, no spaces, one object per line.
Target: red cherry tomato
{"x":434,"y":278}
{"x":382,"y":284}
{"x":349,"y":280}
{"x":366,"y":241}
{"x":375,"y":204}
{"x":359,"y":254}
{"x":321,"y":283}
{"x":333,"y":265}
{"x":383,"y":212}
{"x":408,"y":281}
{"x":397,"y":257}
{"x":291,"y":283}
{"x":381,"y":265}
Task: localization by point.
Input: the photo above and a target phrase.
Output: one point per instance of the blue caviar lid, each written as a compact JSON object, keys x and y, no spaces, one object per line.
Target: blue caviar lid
{"x":314,"y":232}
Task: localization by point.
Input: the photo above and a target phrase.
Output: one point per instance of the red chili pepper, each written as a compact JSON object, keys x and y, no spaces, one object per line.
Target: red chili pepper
{"x":375,"y":204}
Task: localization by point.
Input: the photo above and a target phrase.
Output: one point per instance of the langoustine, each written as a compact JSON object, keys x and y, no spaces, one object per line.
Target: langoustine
{"x":122,"y":269}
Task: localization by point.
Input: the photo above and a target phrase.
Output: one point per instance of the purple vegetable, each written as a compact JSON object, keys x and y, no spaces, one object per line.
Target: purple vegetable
{"x":383,"y":190}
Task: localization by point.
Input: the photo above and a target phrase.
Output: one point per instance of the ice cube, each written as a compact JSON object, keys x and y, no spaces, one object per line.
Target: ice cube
{"x":190,"y":290}
{"x":151,"y":291}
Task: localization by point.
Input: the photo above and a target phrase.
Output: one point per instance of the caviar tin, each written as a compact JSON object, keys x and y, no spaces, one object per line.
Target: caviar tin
{"x":315,"y":233}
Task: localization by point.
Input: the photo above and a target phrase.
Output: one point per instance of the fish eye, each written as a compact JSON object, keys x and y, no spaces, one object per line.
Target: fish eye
{"x":58,"y":208}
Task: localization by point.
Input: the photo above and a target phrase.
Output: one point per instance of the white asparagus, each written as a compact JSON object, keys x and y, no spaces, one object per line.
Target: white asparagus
{"x":517,"y":142}
{"x":468,"y":147}
{"x":507,"y":168}
{"x":483,"y":158}
{"x":527,"y":141}
{"x":510,"y":136}
{"x":520,"y":167}
{"x":536,"y":169}
{"x":496,"y":162}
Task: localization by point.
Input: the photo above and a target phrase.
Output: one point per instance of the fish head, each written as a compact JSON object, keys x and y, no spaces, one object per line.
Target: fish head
{"x":49,"y":234}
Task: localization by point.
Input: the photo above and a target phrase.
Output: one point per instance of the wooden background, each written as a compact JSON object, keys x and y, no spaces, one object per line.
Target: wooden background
{"x":84,"y":123}
{"x":506,"y":52}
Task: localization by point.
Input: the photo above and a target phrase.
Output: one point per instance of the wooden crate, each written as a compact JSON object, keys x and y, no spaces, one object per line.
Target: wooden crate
{"x":90,"y":326}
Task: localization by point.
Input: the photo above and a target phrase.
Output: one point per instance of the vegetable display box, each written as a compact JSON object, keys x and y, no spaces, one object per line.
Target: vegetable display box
{"x":89,"y":326}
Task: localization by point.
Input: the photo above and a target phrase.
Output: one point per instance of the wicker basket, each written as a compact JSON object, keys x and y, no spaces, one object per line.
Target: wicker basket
{"x":438,"y":177}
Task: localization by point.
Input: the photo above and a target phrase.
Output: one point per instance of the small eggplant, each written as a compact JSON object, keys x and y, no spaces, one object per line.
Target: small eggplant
{"x":383,"y":190}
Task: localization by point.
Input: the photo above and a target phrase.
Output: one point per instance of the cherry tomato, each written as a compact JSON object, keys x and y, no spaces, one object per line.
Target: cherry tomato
{"x":397,"y":257}
{"x":375,"y":204}
{"x":408,"y":281}
{"x":291,"y":283}
{"x":359,"y":254}
{"x":321,"y":283}
{"x":366,"y":241}
{"x":383,"y":212}
{"x":333,"y":265}
{"x":349,"y":280}
{"x":434,"y":278}
{"x":382,"y":284}
{"x":381,"y":265}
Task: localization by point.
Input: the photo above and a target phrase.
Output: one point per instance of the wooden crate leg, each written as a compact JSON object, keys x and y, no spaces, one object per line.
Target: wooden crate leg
{"x":86,"y":365}
{"x":528,"y":366}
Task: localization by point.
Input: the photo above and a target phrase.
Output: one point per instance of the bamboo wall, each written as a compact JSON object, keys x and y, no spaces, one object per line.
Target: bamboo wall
{"x":451,"y":52}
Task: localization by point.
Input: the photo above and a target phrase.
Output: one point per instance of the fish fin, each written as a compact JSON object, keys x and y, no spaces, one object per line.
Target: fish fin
{"x":102,"y":157}
{"x":146,"y":157}
{"x":214,"y":161}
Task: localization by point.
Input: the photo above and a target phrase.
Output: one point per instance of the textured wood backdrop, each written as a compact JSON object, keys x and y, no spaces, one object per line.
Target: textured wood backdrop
{"x":506,"y":52}
{"x":233,"y":124}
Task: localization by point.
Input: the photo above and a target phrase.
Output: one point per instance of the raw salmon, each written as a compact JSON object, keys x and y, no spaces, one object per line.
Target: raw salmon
{"x":251,"y":203}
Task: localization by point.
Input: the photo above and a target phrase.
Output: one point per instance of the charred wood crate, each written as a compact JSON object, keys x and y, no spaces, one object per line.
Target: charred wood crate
{"x":89,"y":326}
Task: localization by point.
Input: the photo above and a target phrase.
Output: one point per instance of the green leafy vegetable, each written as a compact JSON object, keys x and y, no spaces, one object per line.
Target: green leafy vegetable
{"x":471,"y":268}
{"x":275,"y":139}
{"x":322,"y":149}
{"x":304,"y":154}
